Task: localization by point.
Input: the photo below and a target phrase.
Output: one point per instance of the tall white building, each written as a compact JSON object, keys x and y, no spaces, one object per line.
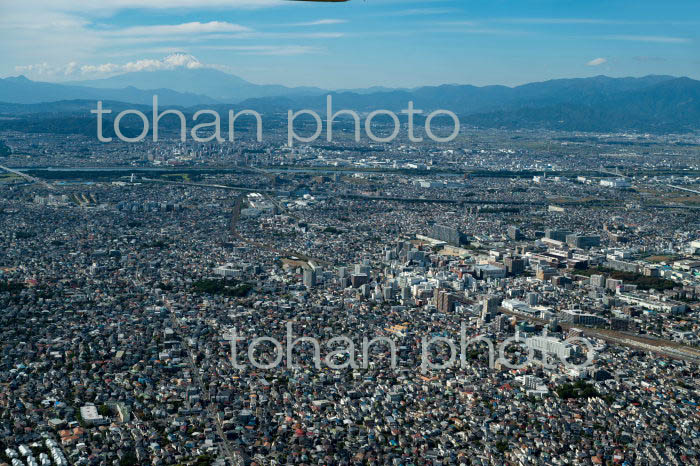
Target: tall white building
{"x":551,"y":346}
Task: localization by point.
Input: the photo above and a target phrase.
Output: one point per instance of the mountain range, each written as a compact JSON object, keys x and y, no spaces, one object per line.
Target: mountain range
{"x":654,"y":103}
{"x":207,"y":83}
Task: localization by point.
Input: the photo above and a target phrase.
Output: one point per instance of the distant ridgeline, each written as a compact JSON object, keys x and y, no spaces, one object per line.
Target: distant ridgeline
{"x":655,"y":104}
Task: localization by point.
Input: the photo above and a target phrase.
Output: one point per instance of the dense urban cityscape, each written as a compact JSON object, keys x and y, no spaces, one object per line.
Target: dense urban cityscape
{"x":349,"y":233}
{"x":127,"y":270}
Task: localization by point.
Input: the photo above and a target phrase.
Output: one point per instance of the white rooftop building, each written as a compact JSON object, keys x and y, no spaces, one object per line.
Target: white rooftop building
{"x":91,"y":416}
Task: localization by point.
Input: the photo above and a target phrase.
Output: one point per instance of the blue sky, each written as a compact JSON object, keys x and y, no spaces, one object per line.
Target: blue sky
{"x":355,"y":44}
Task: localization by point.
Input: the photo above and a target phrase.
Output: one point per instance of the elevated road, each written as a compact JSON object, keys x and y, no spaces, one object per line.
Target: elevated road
{"x":206,"y":185}
{"x":681,"y":188}
{"x":29,"y":178}
{"x":438,"y":201}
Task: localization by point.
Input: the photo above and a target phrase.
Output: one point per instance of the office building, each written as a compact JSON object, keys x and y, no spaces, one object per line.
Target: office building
{"x":556,"y":235}
{"x":358,"y":279}
{"x":309,"y":278}
{"x":445,"y":301}
{"x":598,"y":281}
{"x":612,"y":284}
{"x":490,"y":271}
{"x":550,"y":346}
{"x":502,"y":323}
{"x":447,"y":234}
{"x":514,"y":265}
{"x":582,"y":242}
{"x":514,"y":233}
{"x":532,"y":299}
{"x":489,"y":308}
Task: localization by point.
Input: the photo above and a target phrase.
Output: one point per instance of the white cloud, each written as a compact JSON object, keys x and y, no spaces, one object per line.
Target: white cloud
{"x":657,"y":39}
{"x":196,"y":27}
{"x":41,"y":37}
{"x":459,"y":23}
{"x":98,"y":8}
{"x":73,"y":69}
{"x":300,"y":35}
{"x":321,"y":22}
{"x":37,"y":69}
{"x":171,"y":62}
{"x":44,"y":36}
{"x":597,"y":62}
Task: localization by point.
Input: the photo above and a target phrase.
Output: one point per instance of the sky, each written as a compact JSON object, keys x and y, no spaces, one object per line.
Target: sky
{"x":360,"y":43}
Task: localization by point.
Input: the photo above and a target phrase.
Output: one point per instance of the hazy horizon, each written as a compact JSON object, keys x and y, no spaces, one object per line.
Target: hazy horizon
{"x":356,"y":44}
{"x":87,"y":81}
